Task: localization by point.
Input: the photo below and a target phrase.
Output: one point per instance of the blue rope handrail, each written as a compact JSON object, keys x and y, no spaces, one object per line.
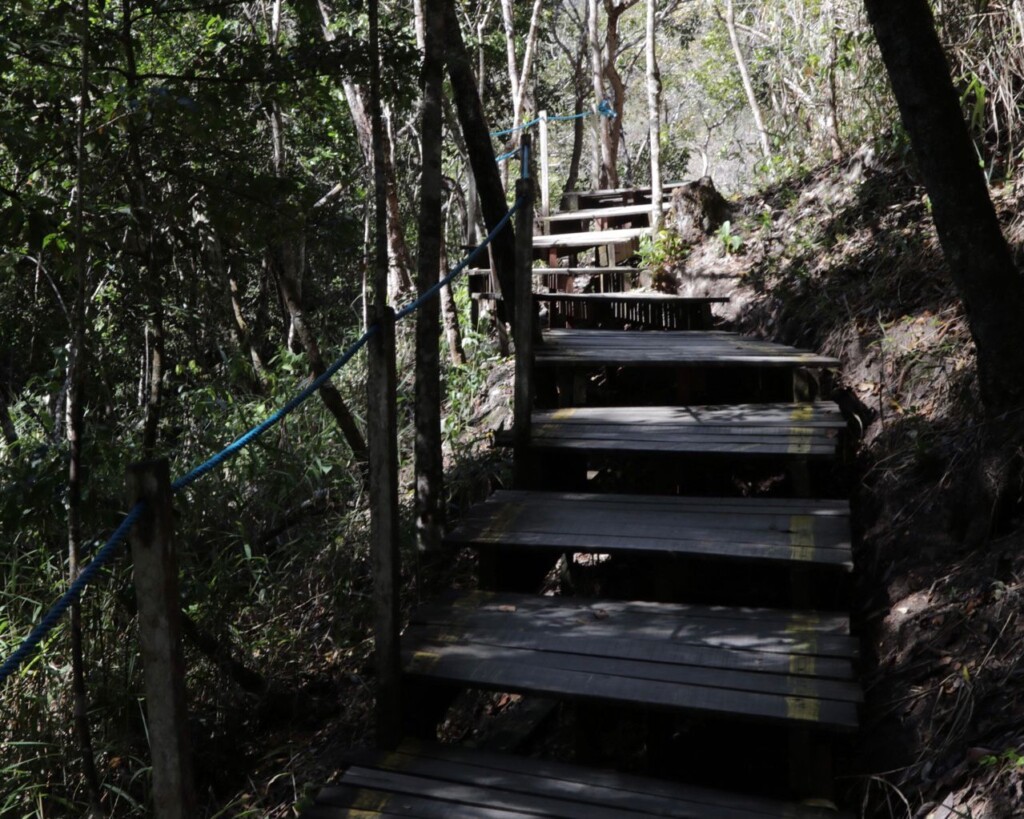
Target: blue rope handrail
{"x":107,"y":552}
{"x":604,"y":109}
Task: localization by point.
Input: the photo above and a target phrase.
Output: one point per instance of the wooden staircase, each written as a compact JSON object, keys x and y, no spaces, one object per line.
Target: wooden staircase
{"x":731,"y":625}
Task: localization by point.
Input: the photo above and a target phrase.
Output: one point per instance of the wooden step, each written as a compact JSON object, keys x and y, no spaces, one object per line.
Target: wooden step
{"x":587,"y":239}
{"x":446,"y":782}
{"x":708,"y":348}
{"x":807,"y":430}
{"x":641,"y":309}
{"x":632,"y":297}
{"x":477,"y":272}
{"x":780,"y":666}
{"x":807,"y":532}
{"x":611,"y":196}
{"x":614,"y":211}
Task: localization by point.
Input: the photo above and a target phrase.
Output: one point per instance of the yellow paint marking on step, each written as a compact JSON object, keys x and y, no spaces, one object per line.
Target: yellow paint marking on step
{"x":395,"y":761}
{"x":502,"y":522}
{"x":472,"y":600}
{"x":368,"y":804}
{"x":803,"y":709}
{"x":802,"y":688}
{"x":805,"y":412}
{"x":800,"y":440}
{"x":563,"y":413}
{"x":803,"y":625}
{"x":801,"y":537}
{"x":802,"y":664}
{"x":424,"y":660}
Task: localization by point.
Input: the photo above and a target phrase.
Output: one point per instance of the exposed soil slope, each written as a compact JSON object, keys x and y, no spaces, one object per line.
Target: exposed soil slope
{"x":846,"y":261}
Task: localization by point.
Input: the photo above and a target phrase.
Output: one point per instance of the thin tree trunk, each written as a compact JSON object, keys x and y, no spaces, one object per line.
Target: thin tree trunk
{"x":152,"y":282}
{"x":612,"y":127}
{"x":524,"y":74}
{"x":239,"y":324}
{"x":429,"y":461}
{"x":328,"y":392}
{"x":398,"y":251}
{"x":6,"y":423}
{"x":654,"y":115}
{"x":286,"y":259}
{"x":450,"y":315}
{"x":605,"y":173}
{"x":481,"y":156}
{"x":510,"y":47}
{"x":979,"y":258}
{"x":74,"y":421}
{"x":748,"y":87}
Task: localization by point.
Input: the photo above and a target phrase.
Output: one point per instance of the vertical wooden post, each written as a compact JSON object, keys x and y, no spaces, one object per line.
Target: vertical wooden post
{"x":382,"y":434}
{"x":155,"y":569}
{"x":524,"y":329}
{"x":545,"y":193}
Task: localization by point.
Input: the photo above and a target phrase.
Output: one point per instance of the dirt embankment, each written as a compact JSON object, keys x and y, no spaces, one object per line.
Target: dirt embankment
{"x":846,"y":261}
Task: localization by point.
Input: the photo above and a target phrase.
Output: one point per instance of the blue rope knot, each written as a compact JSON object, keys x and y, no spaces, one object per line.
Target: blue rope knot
{"x":605,"y":109}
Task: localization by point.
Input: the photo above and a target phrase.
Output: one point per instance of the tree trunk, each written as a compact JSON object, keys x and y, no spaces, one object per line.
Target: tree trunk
{"x":481,"y":156}
{"x":74,"y":426}
{"x":748,"y":87}
{"x":979,"y":258}
{"x":450,"y":316}
{"x":6,"y":423}
{"x":152,"y":282}
{"x":654,"y":116}
{"x":429,"y":462}
{"x":612,"y":126}
{"x":605,"y":172}
{"x":328,"y":392}
{"x":399,"y":280}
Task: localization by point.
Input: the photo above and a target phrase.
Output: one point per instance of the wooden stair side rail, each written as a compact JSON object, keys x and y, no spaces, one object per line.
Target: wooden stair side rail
{"x":525,"y":329}
{"x":382,"y":435}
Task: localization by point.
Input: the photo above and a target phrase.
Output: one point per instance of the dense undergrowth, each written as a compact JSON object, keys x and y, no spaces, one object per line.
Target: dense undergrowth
{"x":275,"y":586}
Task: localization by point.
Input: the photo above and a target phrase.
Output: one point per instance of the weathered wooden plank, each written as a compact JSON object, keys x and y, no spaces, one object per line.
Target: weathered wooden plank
{"x":654,"y":503}
{"x":585,"y":784}
{"x":632,"y":297}
{"x":680,"y":653}
{"x":710,"y":348}
{"x":561,"y":271}
{"x":820,"y":414}
{"x":364,"y":802}
{"x":652,"y":665}
{"x":592,"y":238}
{"x":614,"y":211}
{"x":795,"y":641}
{"x":689,"y":445}
{"x":664,"y":616}
{"x":693,"y":546}
{"x":441,"y":663}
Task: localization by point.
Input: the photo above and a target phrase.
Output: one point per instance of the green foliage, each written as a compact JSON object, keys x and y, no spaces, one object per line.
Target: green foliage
{"x":731,"y":242}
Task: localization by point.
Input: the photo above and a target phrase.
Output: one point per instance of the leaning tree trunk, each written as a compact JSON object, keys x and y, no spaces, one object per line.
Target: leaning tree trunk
{"x":481,"y":157}
{"x":748,"y":86}
{"x":979,"y":258}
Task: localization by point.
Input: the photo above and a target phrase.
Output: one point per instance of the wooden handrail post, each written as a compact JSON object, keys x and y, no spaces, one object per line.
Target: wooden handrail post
{"x":545,"y":194}
{"x":382,"y":434}
{"x":155,"y":570}
{"x":524,"y":331}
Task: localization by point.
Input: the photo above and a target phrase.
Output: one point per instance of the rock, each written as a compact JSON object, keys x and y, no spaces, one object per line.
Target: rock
{"x":698,"y":209}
